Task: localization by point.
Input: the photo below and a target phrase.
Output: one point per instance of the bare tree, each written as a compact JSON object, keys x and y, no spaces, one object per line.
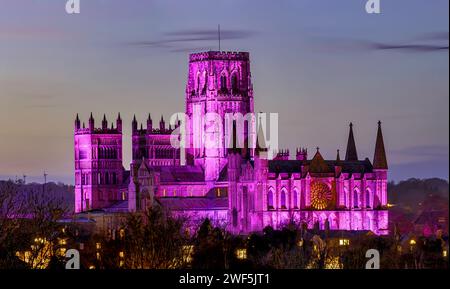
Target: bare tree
{"x":155,"y":240}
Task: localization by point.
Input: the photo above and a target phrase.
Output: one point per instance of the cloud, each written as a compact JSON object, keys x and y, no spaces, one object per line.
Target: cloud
{"x":407,"y":47}
{"x":421,"y":43}
{"x":188,"y":40}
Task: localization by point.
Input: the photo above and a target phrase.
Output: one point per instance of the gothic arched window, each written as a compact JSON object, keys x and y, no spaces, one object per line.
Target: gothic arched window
{"x":223,"y":83}
{"x":368,"y":199}
{"x":295,"y":199}
{"x":345,"y":192}
{"x":270,"y":200}
{"x":235,"y":217}
{"x":234,"y":83}
{"x":283,"y":199}
{"x":355,"y":199}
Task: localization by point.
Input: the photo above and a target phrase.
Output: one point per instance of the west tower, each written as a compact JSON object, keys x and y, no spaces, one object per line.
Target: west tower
{"x":98,"y":164}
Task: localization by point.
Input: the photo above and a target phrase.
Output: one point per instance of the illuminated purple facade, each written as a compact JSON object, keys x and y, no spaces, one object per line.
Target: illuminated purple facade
{"x":239,"y":188}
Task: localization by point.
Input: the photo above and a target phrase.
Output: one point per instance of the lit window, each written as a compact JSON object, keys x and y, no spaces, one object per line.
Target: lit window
{"x":241,"y":254}
{"x":283,"y":199}
{"x":98,"y":246}
{"x":270,"y":200}
{"x":344,"y":242}
{"x":121,"y":254}
{"x":412,"y":242}
{"x":97,"y":255}
{"x":444,"y":253}
{"x":122,"y":233}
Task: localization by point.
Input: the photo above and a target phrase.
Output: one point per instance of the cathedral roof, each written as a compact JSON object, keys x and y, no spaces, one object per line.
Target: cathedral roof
{"x":295,"y":166}
{"x":319,"y":165}
{"x":170,"y":174}
{"x":194,"y":204}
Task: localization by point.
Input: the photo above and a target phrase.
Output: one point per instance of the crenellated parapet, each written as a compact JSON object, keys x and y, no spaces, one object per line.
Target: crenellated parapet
{"x":80,"y":129}
{"x":219,"y":55}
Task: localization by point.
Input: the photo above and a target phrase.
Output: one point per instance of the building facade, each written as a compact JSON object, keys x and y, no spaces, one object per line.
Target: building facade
{"x":234,"y":185}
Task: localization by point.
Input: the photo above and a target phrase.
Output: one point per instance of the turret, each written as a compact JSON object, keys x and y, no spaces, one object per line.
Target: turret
{"x":77,"y":122}
{"x":301,"y":154}
{"x":119,"y":123}
{"x":91,"y":123}
{"x":351,"y":154}
{"x":149,"y":124}
{"x":134,"y":125}
{"x":104,"y":122}
{"x":282,"y":155}
{"x":162,"y":124}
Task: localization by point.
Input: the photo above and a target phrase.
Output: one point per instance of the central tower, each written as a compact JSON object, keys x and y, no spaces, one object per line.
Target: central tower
{"x":220,"y":83}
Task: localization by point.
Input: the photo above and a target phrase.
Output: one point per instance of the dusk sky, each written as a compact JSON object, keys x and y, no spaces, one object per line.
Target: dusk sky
{"x":318,"y":63}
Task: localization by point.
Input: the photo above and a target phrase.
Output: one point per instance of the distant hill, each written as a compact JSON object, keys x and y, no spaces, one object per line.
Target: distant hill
{"x":414,"y":196}
{"x":57,"y":191}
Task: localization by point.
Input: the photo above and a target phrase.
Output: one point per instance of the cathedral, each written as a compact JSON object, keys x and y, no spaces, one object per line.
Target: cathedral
{"x":240,"y":187}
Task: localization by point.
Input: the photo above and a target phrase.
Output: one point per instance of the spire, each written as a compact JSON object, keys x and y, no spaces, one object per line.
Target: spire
{"x":351,"y":154}
{"x":149,"y":124}
{"x":379,"y":158}
{"x":162,"y":124}
{"x":104,"y":122}
{"x":91,"y":123}
{"x":338,"y":157}
{"x":77,"y":122}
{"x":119,"y":123}
{"x":134,"y":124}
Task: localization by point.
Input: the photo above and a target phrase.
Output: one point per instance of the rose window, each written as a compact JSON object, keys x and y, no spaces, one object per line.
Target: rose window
{"x":320,"y":195}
